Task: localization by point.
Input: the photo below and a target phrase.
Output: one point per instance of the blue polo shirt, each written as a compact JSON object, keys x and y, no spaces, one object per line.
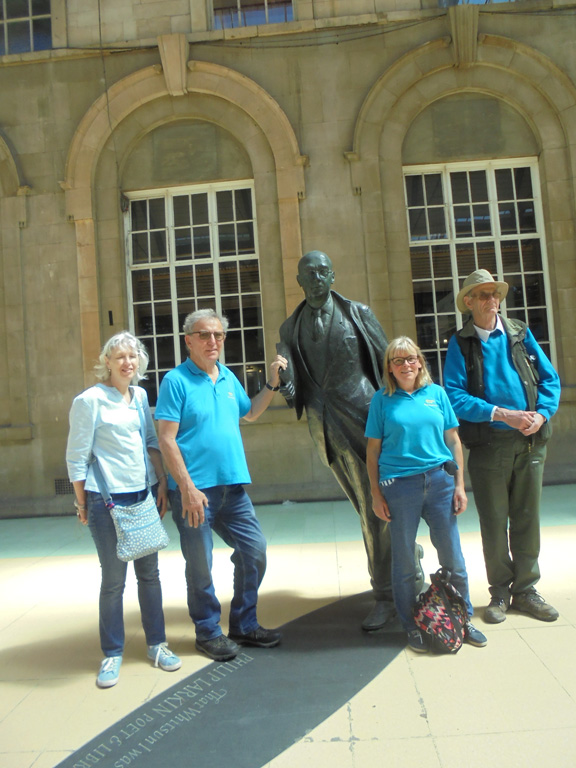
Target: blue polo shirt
{"x":411,"y":427}
{"x":208,"y":415}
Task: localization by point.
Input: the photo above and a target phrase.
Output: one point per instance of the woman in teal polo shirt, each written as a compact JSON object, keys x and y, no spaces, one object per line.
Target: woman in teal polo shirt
{"x":414,"y":460}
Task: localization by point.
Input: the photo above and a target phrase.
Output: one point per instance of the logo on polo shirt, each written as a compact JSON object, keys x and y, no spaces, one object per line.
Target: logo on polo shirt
{"x":428,"y":401}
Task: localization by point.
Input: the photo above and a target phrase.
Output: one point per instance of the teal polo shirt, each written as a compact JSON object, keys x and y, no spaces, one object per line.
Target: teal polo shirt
{"x":411,"y":427}
{"x":208,"y":415}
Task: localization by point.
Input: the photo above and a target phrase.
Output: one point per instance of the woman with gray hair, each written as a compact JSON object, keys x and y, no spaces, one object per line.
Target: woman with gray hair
{"x":105,"y":427}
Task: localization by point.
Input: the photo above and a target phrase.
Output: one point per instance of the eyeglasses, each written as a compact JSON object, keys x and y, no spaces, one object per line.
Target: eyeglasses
{"x":207,"y":335}
{"x":398,"y":361}
{"x":486,"y":295}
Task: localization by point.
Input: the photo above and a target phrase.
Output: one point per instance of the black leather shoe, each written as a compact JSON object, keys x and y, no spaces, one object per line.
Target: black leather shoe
{"x":380,"y":615}
{"x":259,"y":637}
{"x":218,"y":648}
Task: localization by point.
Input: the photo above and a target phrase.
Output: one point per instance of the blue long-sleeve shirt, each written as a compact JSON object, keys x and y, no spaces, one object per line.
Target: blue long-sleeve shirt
{"x":503,"y":387}
{"x":103,"y":425}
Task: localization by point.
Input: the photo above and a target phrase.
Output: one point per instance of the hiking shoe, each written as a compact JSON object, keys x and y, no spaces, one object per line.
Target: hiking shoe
{"x":473,"y":636}
{"x":109,"y":672}
{"x":416,"y":641}
{"x":534,"y":604}
{"x":218,"y":648}
{"x":495,"y":612}
{"x":259,"y":637}
{"x":163,"y":657}
{"x":381,"y":613}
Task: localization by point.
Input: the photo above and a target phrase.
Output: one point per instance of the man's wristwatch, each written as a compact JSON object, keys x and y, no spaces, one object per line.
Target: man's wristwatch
{"x":79,"y":506}
{"x":271,"y":388}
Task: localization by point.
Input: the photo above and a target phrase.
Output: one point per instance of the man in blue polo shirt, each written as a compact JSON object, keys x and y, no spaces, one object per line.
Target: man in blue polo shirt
{"x":504,"y":390}
{"x":199,"y":407}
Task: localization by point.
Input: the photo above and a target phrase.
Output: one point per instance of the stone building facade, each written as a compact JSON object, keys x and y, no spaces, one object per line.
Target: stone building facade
{"x":163,"y":155}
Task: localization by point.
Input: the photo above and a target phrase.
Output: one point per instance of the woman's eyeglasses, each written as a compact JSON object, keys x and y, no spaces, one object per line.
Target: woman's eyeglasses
{"x":398,"y":361}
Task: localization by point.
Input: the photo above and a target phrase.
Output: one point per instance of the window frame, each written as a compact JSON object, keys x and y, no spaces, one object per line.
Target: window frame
{"x":6,"y":20}
{"x":436,"y":353}
{"x":243,"y":6}
{"x":254,"y":371}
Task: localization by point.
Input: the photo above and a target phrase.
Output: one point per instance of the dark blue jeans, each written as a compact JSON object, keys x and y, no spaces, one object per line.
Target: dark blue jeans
{"x":429,"y":496}
{"x":114,"y":579}
{"x":231,"y":515}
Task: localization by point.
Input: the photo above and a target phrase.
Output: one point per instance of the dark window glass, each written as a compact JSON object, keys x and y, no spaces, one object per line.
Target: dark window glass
{"x":465,"y":259}
{"x":423,"y":298}
{"x":414,"y":191}
{"x":523,"y":180}
{"x":446,"y":329}
{"x":507,"y":214}
{"x":158,"y":246}
{"x":538,"y":322}
{"x":201,"y":237}
{"x":183,"y":242}
{"x":434,"y":194}
{"x":40,"y":7}
{"x":139,"y":211}
{"x":17,"y":9}
{"x":157,"y":212}
{"x":535,"y":290}
{"x":231,"y":308}
{"x":486,"y":257}
{"x":163,"y":317}
{"x":199,"y":209}
{"x":510,"y":256}
{"x":254,"y":344}
{"x":482,"y":224}
{"x":184,"y":282}
{"x":42,"y":34}
{"x":228,"y":278}
{"x":227,"y":240}
{"x":225,"y":206}
{"x":526,"y":217}
{"x":444,"y":296}
{"x":205,"y":280}
{"x":441,"y":262}
{"x":140,"y":248}
{"x":426,"y":332}
{"x":462,"y":220}
{"x":420,"y":263}
{"x":141,"y":285}
{"x":181,"y":207}
{"x":459,"y":184}
{"x":234,"y":353}
{"x":243,"y":200}
{"x":437,"y":223}
{"x":531,"y":255}
{"x":417,"y":217}
{"x":478,"y":186}
{"x":515,"y":297}
{"x":249,"y":276}
{"x":18,"y":36}
{"x":504,"y":186}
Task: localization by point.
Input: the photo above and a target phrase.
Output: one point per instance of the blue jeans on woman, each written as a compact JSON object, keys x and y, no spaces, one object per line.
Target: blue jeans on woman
{"x":428,"y":495}
{"x":231,"y":515}
{"x":114,"y":579}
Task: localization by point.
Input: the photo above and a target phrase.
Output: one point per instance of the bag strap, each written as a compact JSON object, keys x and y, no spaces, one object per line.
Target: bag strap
{"x":99,"y":477}
{"x":439,"y":583}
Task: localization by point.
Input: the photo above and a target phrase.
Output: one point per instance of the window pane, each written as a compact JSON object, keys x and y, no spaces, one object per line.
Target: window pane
{"x":233,"y":347}
{"x":523,"y":180}
{"x":531,"y":255}
{"x":446,"y":329}
{"x":184,"y":309}
{"x":526,"y":217}
{"x":40,"y":7}
{"x":437,"y":223}
{"x":462,"y":220}
{"x":426,"y":332}
{"x":444,"y":296}
{"x":225,"y":206}
{"x":201,"y":237}
{"x":515,"y":297}
{"x":158,"y":246}
{"x":465,"y":259}
{"x":414,"y":191}
{"x":243,"y":200}
{"x":441,"y":262}
{"x":482,"y":225}
{"x":254,"y":344}
{"x":227,"y":240}
{"x":478,"y":186}
{"x":420,"y":263}
{"x":157,"y":211}
{"x":42,"y":34}
{"x":538,"y":322}
{"x":504,"y":187}
{"x":507,"y":214}
{"x":423,"y":298}
{"x":139,"y":213}
{"x":417,"y":217}
{"x":140,"y":248}
{"x":18,"y":36}
{"x":181,"y":207}
{"x":245,"y":231}
{"x":141,"y":285}
{"x":143,"y":325}
{"x":183,"y":242}
{"x":199,"y":209}
{"x":255,"y":379}
{"x":16,"y":9}
{"x":160,"y":284}
{"x":510,"y":256}
{"x":459,"y":184}
{"x":251,"y":311}
{"x":231,"y":308}
{"x":205,"y":280}
{"x":163,"y":317}
{"x":249,"y":276}
{"x":535,"y":290}
{"x":165,"y":346}
{"x":433,"y":183}
{"x":486,"y":257}
{"x":228,"y":278}
{"x":184,"y":282}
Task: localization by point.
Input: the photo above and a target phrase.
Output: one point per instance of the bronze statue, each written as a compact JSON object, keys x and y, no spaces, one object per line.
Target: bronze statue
{"x":335,"y":351}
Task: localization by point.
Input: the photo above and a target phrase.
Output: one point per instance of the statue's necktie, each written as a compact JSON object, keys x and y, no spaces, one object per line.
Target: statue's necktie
{"x":317,"y":325}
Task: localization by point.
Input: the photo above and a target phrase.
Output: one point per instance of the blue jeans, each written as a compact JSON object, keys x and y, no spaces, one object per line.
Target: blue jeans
{"x":114,"y":579}
{"x":429,"y":496}
{"x":231,"y":515}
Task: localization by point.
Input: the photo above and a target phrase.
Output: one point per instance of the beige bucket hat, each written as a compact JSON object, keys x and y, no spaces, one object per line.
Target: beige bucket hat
{"x":478,"y":277}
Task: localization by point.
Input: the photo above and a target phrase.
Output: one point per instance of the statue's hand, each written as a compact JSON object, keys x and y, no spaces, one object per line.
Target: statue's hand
{"x":288,"y":392}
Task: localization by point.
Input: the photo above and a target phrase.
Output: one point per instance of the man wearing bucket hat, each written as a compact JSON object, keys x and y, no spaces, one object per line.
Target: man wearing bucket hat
{"x":504,"y":391}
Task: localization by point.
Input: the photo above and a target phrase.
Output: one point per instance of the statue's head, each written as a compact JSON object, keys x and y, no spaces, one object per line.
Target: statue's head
{"x":315,"y":277}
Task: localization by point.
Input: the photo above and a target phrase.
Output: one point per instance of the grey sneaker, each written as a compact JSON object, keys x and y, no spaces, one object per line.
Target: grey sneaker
{"x":534,"y":604}
{"x":218,"y":648}
{"x":495,"y":612}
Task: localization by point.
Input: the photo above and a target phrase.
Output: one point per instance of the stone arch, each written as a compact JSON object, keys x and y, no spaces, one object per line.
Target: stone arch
{"x":502,"y":68}
{"x":263,"y":119}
